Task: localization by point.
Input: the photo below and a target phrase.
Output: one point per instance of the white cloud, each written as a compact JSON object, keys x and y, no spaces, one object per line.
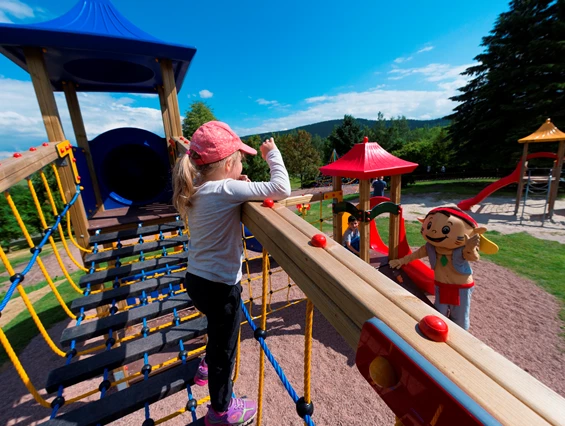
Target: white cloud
{"x":262,"y":101}
{"x":6,"y":154}
{"x":205,"y":94}
{"x":425,"y":49}
{"x":21,"y":125}
{"x":431,"y":72}
{"x":403,"y":59}
{"x":15,"y":9}
{"x":416,"y":104}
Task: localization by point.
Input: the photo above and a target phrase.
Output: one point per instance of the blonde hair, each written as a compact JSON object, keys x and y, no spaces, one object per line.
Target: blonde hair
{"x":187,"y":176}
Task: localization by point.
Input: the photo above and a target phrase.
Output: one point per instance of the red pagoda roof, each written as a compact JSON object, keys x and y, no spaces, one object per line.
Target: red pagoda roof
{"x":368,"y":160}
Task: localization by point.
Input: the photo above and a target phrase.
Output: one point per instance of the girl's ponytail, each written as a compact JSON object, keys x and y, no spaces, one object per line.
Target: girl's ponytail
{"x":184,"y":174}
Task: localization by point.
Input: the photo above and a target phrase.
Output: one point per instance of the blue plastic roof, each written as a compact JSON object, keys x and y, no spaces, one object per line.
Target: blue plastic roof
{"x":95,"y":46}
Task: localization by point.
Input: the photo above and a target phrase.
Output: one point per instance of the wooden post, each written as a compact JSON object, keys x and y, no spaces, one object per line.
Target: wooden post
{"x":52,"y":122}
{"x":169,"y":104}
{"x":394,"y":227}
{"x":555,"y":182}
{"x":364,"y":227}
{"x":338,"y":231}
{"x":80,"y":135}
{"x":521,"y":178}
{"x":165,"y":113}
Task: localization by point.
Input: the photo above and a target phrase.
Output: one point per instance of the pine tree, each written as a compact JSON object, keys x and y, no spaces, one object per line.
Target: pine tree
{"x":198,"y":114}
{"x":517,"y":84}
{"x":343,"y":137}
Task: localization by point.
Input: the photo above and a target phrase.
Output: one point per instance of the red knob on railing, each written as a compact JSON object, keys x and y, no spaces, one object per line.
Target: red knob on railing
{"x":33,"y":149}
{"x":319,"y":240}
{"x":45,"y":144}
{"x":268,"y":203}
{"x":17,"y":155}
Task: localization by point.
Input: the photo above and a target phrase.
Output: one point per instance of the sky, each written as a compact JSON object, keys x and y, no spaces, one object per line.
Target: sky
{"x":267,"y":66}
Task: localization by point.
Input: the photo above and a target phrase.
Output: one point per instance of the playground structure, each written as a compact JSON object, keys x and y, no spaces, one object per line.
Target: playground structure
{"x":145,"y":247}
{"x":546,"y":133}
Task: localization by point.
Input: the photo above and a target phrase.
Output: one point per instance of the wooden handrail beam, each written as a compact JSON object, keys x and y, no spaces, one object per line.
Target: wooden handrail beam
{"x":13,"y":170}
{"x":348,"y":291}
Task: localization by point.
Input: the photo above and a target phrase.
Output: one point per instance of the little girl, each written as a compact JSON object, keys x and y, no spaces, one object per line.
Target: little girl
{"x":208,"y":192}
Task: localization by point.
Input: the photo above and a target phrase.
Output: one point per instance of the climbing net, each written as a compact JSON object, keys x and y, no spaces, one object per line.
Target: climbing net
{"x":113,"y":339}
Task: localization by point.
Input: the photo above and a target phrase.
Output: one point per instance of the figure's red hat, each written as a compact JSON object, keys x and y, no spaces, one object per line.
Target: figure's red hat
{"x":454,"y":211}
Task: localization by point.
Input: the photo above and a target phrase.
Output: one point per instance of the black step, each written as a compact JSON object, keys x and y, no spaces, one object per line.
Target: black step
{"x":127,"y":401}
{"x":93,"y":366}
{"x":120,"y":320}
{"x":128,"y":234}
{"x":131,"y":290}
{"x":132,"y":269}
{"x":135,"y":250}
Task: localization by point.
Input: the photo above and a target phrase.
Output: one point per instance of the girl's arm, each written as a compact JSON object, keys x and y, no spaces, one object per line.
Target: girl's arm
{"x":418,"y":254}
{"x":277,"y":188}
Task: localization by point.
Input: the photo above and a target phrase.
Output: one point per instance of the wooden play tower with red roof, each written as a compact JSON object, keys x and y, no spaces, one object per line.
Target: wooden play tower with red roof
{"x":365,"y":161}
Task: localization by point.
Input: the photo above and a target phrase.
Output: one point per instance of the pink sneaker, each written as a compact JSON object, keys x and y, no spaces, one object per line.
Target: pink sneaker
{"x":201,"y":376}
{"x":241,"y":412}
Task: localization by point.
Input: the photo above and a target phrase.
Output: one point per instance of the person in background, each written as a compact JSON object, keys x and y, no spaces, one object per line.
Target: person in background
{"x":351,"y":237}
{"x":379,"y":186}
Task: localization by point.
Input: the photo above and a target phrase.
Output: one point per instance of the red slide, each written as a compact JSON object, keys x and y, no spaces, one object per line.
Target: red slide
{"x":513,"y":177}
{"x":417,"y":270}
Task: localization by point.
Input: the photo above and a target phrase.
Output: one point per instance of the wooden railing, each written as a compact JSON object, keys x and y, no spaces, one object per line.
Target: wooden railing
{"x":348,"y":292}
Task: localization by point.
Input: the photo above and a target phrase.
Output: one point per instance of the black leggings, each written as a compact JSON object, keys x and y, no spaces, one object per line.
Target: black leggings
{"x":221,"y":303}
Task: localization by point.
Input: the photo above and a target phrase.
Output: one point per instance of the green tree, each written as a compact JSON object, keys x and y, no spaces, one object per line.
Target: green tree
{"x":300,"y":156}
{"x":198,"y":114}
{"x":343,"y":137}
{"x":254,"y":166}
{"x":517,"y":84}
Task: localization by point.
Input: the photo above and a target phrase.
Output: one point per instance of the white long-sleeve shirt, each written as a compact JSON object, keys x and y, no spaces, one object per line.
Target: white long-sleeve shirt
{"x":215,"y":248}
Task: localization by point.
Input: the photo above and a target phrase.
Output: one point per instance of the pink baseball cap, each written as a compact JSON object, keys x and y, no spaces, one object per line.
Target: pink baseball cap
{"x":215,"y":141}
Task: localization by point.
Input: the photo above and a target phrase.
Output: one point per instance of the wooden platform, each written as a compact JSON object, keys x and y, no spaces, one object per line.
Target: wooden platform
{"x":129,"y":217}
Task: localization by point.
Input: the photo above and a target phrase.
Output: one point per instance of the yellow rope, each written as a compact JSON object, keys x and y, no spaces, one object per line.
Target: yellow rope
{"x":59,"y":227}
{"x":29,"y":306}
{"x":39,"y":261}
{"x":264,"y":327}
{"x":21,"y":372}
{"x":51,"y":240}
{"x":308,"y":350}
{"x":64,"y":199}
{"x":436,"y":415}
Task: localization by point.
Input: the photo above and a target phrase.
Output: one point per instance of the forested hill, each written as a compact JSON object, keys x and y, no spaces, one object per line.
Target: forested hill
{"x":324,"y":128}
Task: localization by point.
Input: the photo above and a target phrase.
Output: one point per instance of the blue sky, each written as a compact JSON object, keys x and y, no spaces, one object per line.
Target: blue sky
{"x":267,"y":66}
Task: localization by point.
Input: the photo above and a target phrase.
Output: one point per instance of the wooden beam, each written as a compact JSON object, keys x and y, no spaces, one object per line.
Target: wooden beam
{"x":556,"y":177}
{"x":364,"y":227}
{"x":394,"y":224}
{"x":165,"y":113}
{"x":13,"y":170}
{"x":182,"y":145}
{"x":80,"y":134}
{"x":516,"y":381}
{"x":170,"y":96}
{"x":50,"y":114}
{"x":521,"y":178}
{"x":337,"y":228}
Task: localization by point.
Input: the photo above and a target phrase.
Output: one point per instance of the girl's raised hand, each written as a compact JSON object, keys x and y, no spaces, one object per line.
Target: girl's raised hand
{"x":266,"y":146}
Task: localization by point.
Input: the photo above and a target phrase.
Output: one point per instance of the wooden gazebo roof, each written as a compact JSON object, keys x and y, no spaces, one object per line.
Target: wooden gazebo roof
{"x":546,"y":133}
